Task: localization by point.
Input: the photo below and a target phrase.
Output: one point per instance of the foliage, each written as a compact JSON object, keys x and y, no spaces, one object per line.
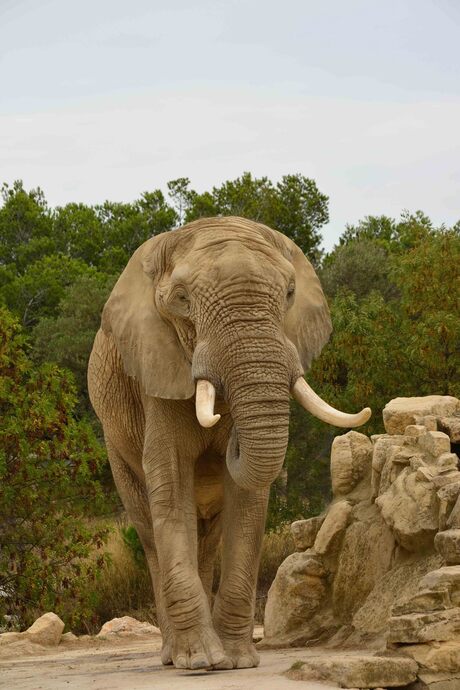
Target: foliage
{"x":393,"y":287}
{"x":49,"y":466}
{"x":36,"y":293}
{"x":396,"y":336}
{"x":428,"y":277}
{"x":360,"y":266}
{"x":66,"y":338}
{"x":294,"y":206}
{"x":395,"y":236}
{"x":132,"y":541}
{"x":25,"y":226}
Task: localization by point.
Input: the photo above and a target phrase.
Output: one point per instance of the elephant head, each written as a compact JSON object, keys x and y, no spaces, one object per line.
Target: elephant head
{"x":226,"y":306}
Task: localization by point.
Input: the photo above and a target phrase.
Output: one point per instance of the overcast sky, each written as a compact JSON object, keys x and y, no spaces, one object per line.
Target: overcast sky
{"x":107,"y":98}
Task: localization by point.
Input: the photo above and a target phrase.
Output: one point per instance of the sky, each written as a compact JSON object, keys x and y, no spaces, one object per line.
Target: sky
{"x":105,"y":99}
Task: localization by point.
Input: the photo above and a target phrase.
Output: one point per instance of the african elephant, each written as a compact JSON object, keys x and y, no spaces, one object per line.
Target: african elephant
{"x":206,"y":333}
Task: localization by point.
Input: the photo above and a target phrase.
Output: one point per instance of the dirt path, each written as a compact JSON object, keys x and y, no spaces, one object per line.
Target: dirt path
{"x":136,"y":666}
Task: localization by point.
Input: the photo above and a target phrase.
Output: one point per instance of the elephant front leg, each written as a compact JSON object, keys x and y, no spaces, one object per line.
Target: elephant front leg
{"x":195,"y":644}
{"x":233,"y":615}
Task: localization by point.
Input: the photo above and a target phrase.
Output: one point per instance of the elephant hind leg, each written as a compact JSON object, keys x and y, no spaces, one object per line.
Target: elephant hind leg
{"x":209,"y":536}
{"x":135,"y":501}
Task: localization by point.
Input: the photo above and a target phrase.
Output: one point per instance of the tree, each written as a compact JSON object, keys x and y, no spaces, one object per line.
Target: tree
{"x":126,"y":226}
{"x":300,"y":211}
{"x":66,"y":338}
{"x":37,"y":291}
{"x":79,"y":233}
{"x":294,"y":206}
{"x":181,"y":196}
{"x":25,"y":226}
{"x":395,"y":236}
{"x":361,"y":265}
{"x":49,"y":467}
{"x":428,"y":277}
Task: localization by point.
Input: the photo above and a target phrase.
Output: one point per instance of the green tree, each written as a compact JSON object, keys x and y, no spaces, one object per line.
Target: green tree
{"x":181,"y":196}
{"x":293,"y":206}
{"x":25,"y":226}
{"x":361,"y":265}
{"x":66,"y":338}
{"x":49,"y":465}
{"x":37,"y":291}
{"x":299,"y":212}
{"x":395,"y":236}
{"x":79,"y":233}
{"x":428,"y":277}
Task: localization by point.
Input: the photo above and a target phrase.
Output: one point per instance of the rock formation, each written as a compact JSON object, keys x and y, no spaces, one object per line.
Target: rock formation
{"x":381,"y":567}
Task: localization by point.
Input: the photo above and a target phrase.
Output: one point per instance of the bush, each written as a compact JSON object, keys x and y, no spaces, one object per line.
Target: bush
{"x":49,"y":467}
{"x":124,"y":587}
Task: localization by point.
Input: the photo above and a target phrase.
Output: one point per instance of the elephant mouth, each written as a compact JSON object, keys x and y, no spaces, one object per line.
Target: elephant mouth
{"x":301,"y":391}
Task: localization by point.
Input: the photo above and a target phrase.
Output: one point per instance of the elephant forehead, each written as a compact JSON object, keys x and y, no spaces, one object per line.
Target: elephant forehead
{"x":232,"y":259}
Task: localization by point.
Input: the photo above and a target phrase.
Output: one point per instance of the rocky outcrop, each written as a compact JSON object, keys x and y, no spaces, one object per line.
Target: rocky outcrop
{"x":387,"y":550}
{"x":401,"y":412}
{"x":426,"y":627}
{"x":126,"y":626}
{"x":47,"y":631}
{"x":304,"y":532}
{"x":356,"y":671}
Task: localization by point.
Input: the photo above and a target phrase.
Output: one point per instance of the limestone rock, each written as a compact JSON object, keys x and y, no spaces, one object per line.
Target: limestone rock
{"x":454,"y":518}
{"x":447,"y":543}
{"x":366,"y":553}
{"x":439,"y":657}
{"x":447,"y":462}
{"x":447,"y":495}
{"x":450,"y":426}
{"x":351,"y":457}
{"x":401,"y":412}
{"x":426,"y":680}
{"x":425,"y":627}
{"x":46,"y":630}
{"x":126,"y":626}
{"x":356,"y":671}
{"x":295,"y":594}
{"x":333,"y":526}
{"x":449,"y":575}
{"x":9,"y":637}
{"x":425,"y":601}
{"x":68,"y":637}
{"x":394,"y":588}
{"x":435,"y":443}
{"x":304,"y":532}
{"x":410,"y":508}
{"x":383,"y":444}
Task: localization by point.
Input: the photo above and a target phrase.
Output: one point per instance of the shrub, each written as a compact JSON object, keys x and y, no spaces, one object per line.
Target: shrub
{"x":49,"y":467}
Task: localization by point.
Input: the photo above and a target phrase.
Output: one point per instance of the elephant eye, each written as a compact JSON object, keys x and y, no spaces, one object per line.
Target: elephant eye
{"x":180,"y":298}
{"x":290,"y":291}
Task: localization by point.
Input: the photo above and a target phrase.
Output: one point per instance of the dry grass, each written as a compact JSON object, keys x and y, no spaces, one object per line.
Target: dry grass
{"x":124,"y":586}
{"x":276,"y":547}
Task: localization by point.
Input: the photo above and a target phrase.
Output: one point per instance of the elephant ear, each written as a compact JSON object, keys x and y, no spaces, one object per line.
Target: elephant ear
{"x":148,"y":345}
{"x":308,"y":322}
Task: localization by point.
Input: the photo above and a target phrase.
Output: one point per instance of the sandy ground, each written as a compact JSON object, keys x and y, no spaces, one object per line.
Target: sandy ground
{"x":135,"y":665}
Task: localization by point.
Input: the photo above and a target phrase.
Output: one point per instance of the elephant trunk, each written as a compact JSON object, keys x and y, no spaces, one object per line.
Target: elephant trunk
{"x":255,"y":380}
{"x":257,"y":448}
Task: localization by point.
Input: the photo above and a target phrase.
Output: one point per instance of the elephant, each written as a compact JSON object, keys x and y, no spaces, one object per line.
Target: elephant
{"x":205,"y":336}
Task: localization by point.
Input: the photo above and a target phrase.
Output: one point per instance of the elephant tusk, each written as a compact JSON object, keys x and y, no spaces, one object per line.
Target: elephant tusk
{"x":309,"y":400}
{"x":204,"y":403}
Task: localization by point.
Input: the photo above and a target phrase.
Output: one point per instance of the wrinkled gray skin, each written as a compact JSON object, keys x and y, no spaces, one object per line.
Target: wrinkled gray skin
{"x":237,"y":304}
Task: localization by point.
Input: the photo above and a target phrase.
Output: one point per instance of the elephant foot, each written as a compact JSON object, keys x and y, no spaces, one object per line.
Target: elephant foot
{"x":241,"y":655}
{"x":166,"y":653}
{"x":195,"y":649}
